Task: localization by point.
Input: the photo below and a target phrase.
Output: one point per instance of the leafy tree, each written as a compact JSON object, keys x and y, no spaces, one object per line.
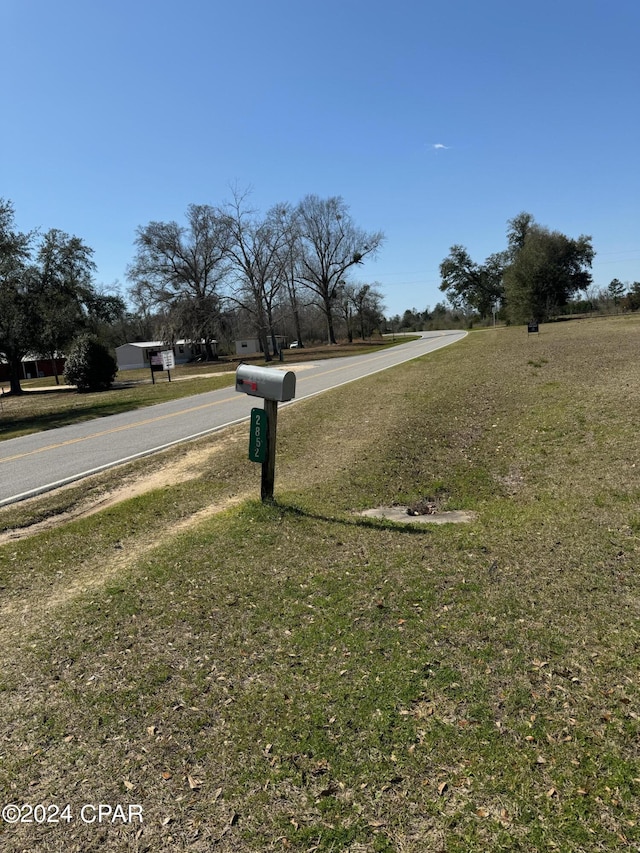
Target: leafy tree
{"x":90,"y":366}
{"x":330,"y":244}
{"x":631,"y":301}
{"x":411,"y":320}
{"x":344,"y":302}
{"x":367,"y":302}
{"x":46,"y":293}
{"x":536,"y":274}
{"x":65,"y":298}
{"x":616,"y":290}
{"x":546,"y":268}
{"x":181,"y":270}
{"x":17,"y":322}
{"x":361,"y":303}
{"x":517,"y":231}
{"x":472,"y":286}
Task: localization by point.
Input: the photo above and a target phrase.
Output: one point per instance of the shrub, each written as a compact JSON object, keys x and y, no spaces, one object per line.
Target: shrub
{"x":90,"y":366}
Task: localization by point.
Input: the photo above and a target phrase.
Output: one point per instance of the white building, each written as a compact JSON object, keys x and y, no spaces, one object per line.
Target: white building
{"x":251,"y":346}
{"x":136,"y":355}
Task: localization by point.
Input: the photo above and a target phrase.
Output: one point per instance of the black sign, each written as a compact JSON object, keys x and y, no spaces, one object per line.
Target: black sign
{"x":155,"y":361}
{"x":532,"y":328}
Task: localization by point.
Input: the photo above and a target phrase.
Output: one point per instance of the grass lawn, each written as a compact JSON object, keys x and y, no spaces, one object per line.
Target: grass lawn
{"x":47,"y":406}
{"x":296,"y":677}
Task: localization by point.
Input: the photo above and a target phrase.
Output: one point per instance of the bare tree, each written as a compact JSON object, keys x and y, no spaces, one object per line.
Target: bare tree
{"x":181,"y":270}
{"x":290,"y":254}
{"x":257,"y":252}
{"x":330,"y":244}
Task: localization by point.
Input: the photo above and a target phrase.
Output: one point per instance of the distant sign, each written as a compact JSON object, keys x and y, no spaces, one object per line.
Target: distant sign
{"x":155,"y":360}
{"x":168,"y":359}
{"x":532,"y":328}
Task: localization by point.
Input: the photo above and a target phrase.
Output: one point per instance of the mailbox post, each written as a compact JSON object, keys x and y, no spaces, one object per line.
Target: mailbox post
{"x":274,"y":386}
{"x":269,"y":465}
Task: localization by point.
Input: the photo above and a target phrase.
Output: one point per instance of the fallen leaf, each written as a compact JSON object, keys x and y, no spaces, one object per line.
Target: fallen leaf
{"x":194,"y":784}
{"x":167,"y":775}
{"x":442,"y":787}
{"x":128,"y":785}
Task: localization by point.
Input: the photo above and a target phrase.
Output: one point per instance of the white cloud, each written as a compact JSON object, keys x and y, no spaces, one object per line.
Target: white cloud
{"x":438,"y":146}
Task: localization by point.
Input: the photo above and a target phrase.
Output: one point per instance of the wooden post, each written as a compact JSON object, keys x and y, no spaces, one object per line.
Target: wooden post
{"x":269,"y":464}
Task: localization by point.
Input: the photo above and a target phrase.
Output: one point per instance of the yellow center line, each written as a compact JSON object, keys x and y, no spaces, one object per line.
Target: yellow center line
{"x":114,"y":430}
{"x":157,"y":418}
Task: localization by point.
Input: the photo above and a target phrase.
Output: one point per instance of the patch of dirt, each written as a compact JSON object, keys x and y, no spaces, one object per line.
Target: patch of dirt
{"x":513,"y":482}
{"x":177,"y":471}
{"x":24,"y":613}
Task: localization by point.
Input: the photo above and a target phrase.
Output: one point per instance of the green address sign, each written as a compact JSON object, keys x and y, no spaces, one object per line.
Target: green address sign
{"x":258,"y":436}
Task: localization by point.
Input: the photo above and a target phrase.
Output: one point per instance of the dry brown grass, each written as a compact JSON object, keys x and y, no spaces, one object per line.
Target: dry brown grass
{"x":295,"y":677}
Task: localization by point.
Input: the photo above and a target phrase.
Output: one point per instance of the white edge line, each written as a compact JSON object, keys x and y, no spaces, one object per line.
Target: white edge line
{"x":378,"y":370}
{"x":40,"y":490}
{"x":81,"y":476}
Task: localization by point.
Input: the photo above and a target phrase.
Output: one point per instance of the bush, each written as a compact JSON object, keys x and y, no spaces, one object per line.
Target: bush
{"x":90,"y":366}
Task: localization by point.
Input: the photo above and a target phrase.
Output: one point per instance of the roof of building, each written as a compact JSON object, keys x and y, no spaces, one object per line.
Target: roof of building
{"x":147,"y":344}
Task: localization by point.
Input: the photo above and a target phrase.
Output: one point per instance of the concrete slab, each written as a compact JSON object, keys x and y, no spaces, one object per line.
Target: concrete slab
{"x":400,"y":515}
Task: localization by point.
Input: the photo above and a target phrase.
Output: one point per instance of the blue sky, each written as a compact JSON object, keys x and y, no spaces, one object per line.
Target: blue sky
{"x":119,"y":112}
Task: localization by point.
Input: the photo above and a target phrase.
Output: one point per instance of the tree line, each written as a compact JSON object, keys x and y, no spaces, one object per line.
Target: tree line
{"x":231,"y":260}
{"x":227,"y":269}
{"x":532,"y":279}
{"x":47,"y":294}
{"x":539,"y":275}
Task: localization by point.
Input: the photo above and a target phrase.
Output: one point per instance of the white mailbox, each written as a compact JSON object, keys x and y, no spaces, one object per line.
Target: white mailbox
{"x":266,"y":382}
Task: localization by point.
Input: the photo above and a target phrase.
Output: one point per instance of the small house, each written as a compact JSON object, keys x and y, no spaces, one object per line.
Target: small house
{"x":251,"y":346}
{"x":35,"y":366}
{"x":135,"y":355}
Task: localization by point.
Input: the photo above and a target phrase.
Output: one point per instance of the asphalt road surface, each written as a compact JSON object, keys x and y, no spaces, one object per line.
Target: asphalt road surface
{"x":44,"y":461}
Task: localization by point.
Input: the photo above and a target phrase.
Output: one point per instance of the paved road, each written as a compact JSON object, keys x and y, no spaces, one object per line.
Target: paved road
{"x":38,"y":463}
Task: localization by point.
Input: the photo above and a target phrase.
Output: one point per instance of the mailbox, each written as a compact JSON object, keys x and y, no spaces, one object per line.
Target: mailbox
{"x":269,"y":383}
